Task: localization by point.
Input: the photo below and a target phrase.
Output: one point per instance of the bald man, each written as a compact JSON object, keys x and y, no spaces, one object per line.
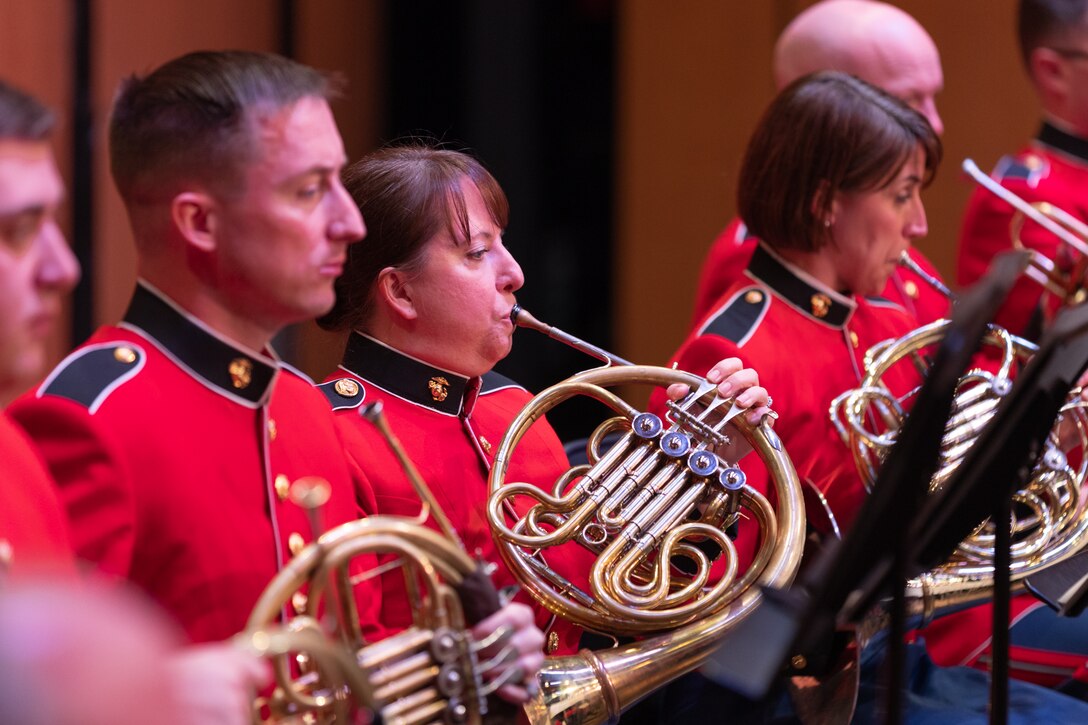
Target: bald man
{"x":875,"y":41}
{"x":880,"y":44}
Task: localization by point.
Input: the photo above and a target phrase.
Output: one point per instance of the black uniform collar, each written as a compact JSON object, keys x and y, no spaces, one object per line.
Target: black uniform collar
{"x":801,"y":291}
{"x":223,"y":366}
{"x":406,"y":377}
{"x":1067,"y":143}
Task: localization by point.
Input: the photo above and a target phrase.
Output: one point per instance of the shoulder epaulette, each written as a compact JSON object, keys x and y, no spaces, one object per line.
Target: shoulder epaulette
{"x":343,"y":393}
{"x":493,"y":381}
{"x":1028,"y":168}
{"x":91,"y":373}
{"x":738,"y":318}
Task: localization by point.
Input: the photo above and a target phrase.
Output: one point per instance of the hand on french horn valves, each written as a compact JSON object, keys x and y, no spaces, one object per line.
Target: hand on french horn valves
{"x":515,"y":657}
{"x":741,"y":383}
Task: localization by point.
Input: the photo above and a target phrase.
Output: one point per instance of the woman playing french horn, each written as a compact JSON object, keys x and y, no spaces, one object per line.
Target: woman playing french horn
{"x":427,"y":299}
{"x":835,"y":209}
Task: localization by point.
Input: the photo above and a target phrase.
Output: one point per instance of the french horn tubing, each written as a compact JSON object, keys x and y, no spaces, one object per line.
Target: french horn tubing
{"x":1050,"y":513}
{"x":665,"y":489}
{"x":326,"y":670}
{"x":1063,"y":277}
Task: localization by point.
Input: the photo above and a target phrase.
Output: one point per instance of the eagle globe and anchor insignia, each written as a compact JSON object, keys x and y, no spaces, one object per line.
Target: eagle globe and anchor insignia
{"x":439,"y":387}
{"x":241,"y":372}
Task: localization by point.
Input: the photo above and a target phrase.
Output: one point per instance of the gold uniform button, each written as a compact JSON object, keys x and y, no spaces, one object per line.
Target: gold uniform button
{"x":271,"y":429}
{"x":125,"y":355}
{"x":7,"y":553}
{"x":553,"y":642}
{"x":283,"y":487}
{"x":753,"y":296}
{"x":346,"y":388}
{"x":911,"y":289}
{"x":295,"y":543}
{"x":486,"y":445}
{"x":853,"y":338}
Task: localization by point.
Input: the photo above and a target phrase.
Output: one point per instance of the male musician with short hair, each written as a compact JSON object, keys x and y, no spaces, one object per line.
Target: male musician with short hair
{"x":175,"y":435}
{"x":880,"y":44}
{"x":41,"y":601}
{"x":1052,"y":167}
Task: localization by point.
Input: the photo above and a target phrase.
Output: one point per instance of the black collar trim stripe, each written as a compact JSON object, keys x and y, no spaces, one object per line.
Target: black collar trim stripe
{"x":207,"y":356}
{"x":402,"y":375}
{"x":787,"y":282}
{"x":1064,"y":142}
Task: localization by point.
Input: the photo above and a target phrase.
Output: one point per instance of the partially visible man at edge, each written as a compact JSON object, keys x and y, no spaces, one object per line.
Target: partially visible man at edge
{"x":882,"y":45}
{"x":175,"y":435}
{"x":1051,"y":168}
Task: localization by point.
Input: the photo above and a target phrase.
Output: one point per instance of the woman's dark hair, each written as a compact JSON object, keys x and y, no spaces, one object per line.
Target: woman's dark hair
{"x":407,"y":195}
{"x":825,"y":133}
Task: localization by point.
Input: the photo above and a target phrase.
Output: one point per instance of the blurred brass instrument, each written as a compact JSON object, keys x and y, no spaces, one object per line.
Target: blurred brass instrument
{"x":1063,"y":277}
{"x":1050,"y":514}
{"x":325,"y":670}
{"x":663,"y":491}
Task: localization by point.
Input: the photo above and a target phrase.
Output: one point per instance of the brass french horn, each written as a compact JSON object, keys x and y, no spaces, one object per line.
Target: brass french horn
{"x":1050,"y":514}
{"x":661,"y":491}
{"x":326,"y":670}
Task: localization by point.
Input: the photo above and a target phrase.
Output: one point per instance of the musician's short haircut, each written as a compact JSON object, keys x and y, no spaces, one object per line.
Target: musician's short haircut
{"x":191,"y":120}
{"x":1049,"y":24}
{"x":23,"y":117}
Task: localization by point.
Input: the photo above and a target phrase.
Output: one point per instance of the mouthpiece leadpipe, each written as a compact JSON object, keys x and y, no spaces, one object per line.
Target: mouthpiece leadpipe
{"x":1027,"y":209}
{"x":906,"y":261}
{"x":521,"y":318}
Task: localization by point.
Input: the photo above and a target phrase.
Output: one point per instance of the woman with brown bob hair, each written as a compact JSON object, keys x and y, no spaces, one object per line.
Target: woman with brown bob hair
{"x":830,"y":183}
{"x":427,"y":299}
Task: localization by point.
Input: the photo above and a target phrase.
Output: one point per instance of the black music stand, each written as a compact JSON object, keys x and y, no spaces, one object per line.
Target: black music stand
{"x":1063,"y":586}
{"x":847,"y":577}
{"x":998,"y":464}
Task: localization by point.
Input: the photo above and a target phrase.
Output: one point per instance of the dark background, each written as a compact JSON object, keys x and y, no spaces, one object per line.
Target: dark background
{"x":526,"y":87}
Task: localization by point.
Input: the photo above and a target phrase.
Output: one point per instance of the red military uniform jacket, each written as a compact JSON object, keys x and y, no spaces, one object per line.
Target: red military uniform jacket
{"x":174,"y":450}
{"x":450,"y":427}
{"x":730,"y":252}
{"x":33,"y":532}
{"x":1052,"y":168}
{"x":807,"y":343}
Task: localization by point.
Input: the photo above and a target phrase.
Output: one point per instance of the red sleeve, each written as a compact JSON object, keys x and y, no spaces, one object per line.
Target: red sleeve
{"x":32,"y":523}
{"x":352,"y":442}
{"x":94,"y":483}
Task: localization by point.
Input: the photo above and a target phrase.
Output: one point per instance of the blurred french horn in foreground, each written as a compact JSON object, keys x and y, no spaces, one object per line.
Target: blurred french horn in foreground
{"x":1050,"y":513}
{"x":326,"y":671}
{"x":662,"y":492}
